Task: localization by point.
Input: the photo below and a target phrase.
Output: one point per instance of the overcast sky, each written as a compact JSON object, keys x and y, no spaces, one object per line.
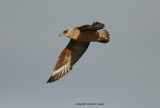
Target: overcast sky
{"x":123,"y":73}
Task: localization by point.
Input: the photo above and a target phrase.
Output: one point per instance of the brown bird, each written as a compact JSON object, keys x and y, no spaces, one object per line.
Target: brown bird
{"x":80,"y":40}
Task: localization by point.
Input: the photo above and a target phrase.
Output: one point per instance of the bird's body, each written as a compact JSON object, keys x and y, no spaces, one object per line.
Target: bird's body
{"x":80,"y":40}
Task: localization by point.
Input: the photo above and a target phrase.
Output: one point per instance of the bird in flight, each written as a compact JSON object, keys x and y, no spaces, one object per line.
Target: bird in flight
{"x":79,"y":42}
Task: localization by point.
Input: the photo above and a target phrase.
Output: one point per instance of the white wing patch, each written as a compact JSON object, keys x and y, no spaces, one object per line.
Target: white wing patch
{"x":62,"y":70}
{"x":69,"y":56}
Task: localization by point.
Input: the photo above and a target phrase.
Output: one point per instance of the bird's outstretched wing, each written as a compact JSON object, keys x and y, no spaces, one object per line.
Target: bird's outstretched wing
{"x":69,"y":56}
{"x":94,"y":27}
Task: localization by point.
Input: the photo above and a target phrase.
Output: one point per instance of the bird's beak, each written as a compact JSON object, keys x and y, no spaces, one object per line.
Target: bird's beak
{"x":60,"y":34}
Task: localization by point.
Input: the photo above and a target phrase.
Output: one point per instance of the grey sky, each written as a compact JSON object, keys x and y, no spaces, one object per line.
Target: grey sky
{"x":121,"y":74}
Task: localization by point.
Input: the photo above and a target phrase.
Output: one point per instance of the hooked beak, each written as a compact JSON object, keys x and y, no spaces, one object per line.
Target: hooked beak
{"x":60,"y":34}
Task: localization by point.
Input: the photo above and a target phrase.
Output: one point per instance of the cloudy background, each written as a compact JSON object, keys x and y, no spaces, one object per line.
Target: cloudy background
{"x":121,"y":74}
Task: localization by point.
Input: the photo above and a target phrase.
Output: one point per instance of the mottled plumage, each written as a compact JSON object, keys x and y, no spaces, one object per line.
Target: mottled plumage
{"x":80,"y":40}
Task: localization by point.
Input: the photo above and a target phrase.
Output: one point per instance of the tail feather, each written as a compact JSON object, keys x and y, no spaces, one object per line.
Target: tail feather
{"x":105,"y":33}
{"x":104,"y":36}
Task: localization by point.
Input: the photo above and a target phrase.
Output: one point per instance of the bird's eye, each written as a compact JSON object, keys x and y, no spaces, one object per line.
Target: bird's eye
{"x":65,"y":31}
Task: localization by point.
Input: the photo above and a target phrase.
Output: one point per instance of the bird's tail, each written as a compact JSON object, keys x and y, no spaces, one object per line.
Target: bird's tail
{"x":104,"y":36}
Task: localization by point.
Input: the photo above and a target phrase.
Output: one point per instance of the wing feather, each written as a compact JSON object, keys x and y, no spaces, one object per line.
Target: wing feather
{"x":94,"y":27}
{"x":69,"y":56}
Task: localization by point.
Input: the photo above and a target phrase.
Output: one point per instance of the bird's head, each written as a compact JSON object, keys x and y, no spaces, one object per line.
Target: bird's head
{"x":71,"y":33}
{"x":64,"y":33}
